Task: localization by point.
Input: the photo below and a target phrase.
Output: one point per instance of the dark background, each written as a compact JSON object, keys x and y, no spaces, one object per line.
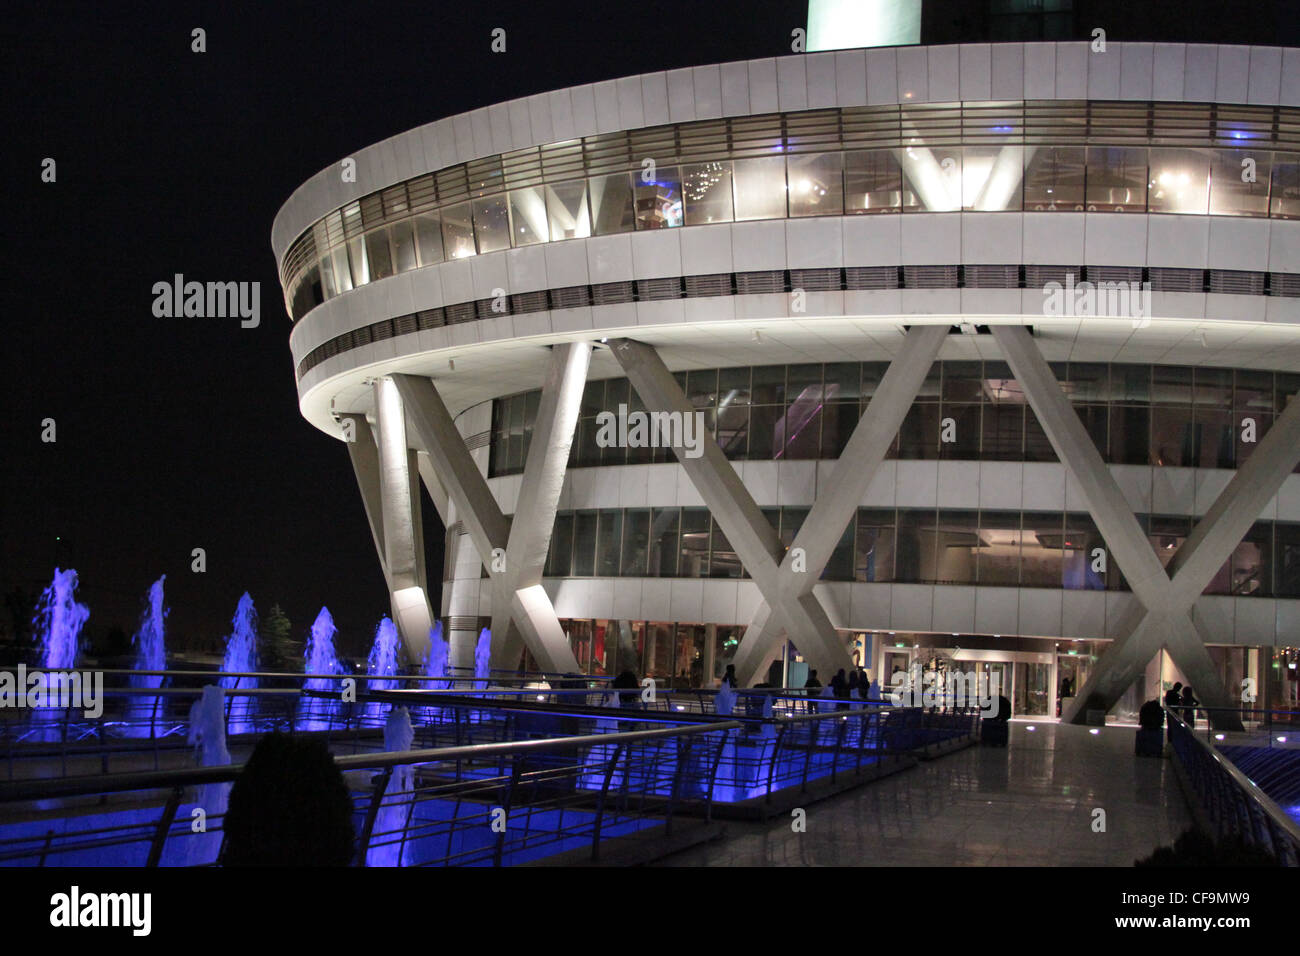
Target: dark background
{"x":182,"y":433}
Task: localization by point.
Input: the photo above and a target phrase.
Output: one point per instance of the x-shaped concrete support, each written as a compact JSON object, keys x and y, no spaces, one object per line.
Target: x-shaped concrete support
{"x":790,"y":606}
{"x":514,"y":552}
{"x":1160,"y":616}
{"x":837,"y":505}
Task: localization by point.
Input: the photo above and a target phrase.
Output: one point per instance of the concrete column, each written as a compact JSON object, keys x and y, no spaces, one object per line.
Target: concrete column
{"x":529,"y":606}
{"x":750,"y":533}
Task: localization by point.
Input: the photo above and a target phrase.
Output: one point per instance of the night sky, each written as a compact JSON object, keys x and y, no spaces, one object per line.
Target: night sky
{"x":179,"y":433}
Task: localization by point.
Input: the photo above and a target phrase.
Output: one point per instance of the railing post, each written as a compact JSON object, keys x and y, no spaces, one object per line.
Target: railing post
{"x":600,"y":803}
{"x":372,"y":811}
{"x":164,"y":825}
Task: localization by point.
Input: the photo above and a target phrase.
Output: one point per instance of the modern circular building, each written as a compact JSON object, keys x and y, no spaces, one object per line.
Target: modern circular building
{"x":979,"y":355}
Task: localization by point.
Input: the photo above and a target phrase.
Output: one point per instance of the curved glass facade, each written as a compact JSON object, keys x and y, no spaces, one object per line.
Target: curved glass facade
{"x":1029,"y":549}
{"x":1159,"y":415}
{"x":1031,"y":156}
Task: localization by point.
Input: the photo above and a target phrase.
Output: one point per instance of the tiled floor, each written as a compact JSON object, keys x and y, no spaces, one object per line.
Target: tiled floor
{"x":1031,"y":804}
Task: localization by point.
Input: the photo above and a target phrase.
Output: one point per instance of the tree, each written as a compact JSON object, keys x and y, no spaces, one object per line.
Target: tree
{"x":277,"y":640}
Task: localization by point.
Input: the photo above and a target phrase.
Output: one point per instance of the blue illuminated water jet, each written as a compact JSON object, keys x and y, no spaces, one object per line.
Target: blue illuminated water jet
{"x":435,"y":662}
{"x":59,"y":620}
{"x":143,"y":712}
{"x":320,"y":658}
{"x":57,"y":626}
{"x":482,"y":657}
{"x":382,"y":662}
{"x":391,"y":819}
{"x":241,"y":657}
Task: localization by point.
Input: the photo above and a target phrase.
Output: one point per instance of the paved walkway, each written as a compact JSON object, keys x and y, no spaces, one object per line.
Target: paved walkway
{"x":1030,"y":804}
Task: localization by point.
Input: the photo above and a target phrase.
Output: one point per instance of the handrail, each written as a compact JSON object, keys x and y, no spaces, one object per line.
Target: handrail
{"x":47,"y":788}
{"x":1277,"y":816}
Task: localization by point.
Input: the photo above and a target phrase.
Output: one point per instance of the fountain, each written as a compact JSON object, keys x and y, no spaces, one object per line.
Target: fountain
{"x":57,"y":625}
{"x":58,"y":622}
{"x":482,"y":658}
{"x":241,"y":657}
{"x":435,"y":662}
{"x":382,"y":662}
{"x":142,"y":712}
{"x":208,"y":737}
{"x":390,"y":821}
{"x":321,"y":658}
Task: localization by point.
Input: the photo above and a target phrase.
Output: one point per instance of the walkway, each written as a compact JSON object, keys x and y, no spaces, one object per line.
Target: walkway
{"x":1028,"y":805}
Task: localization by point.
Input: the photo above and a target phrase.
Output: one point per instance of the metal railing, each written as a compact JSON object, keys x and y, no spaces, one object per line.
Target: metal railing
{"x":1233,"y":804}
{"x":493,"y":804}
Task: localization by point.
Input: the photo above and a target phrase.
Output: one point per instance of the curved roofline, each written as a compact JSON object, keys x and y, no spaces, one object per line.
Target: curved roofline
{"x":1168,"y":72}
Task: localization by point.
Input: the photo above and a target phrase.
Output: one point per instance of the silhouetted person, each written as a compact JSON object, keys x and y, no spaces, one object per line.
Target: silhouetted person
{"x":289,"y":807}
{"x":812,"y":681}
{"x":729,"y":676}
{"x":1173,"y":701}
{"x":1189,"y":703}
{"x":853,"y":683}
{"x":626,"y":684}
{"x":840,"y":688}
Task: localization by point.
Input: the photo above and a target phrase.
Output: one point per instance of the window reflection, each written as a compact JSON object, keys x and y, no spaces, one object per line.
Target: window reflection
{"x":707,"y":191}
{"x":659,"y":199}
{"x":760,"y":188}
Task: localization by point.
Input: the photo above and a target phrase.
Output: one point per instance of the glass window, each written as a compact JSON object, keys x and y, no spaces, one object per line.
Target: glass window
{"x":760,"y":188}
{"x":914,"y":548}
{"x":612,"y":209}
{"x":664,"y":523}
{"x":1003,"y":425}
{"x":428,"y":238}
{"x":1230,"y":195}
{"x":636,"y":533}
{"x":764,"y":423}
{"x":961,"y":423}
{"x":378,"y":254}
{"x":584,"y":544}
{"x":1284,"y":194}
{"x":528,"y":222}
{"x":816,"y":184}
{"x":874,"y":548}
{"x":707,"y":190}
{"x":357,"y":261}
{"x":1179,"y":181}
{"x":457,"y":231}
{"x":1213,"y":437}
{"x":958,"y":546}
{"x":934,"y":177}
{"x":1117,"y":179}
{"x":403,"y":236}
{"x":1080,"y":564}
{"x":658,"y":200}
{"x":559,"y":560}
{"x":1286,"y":561}
{"x":992,"y":177}
{"x":608,"y":541}
{"x":1248,"y":425}
{"x":723,"y":562}
{"x":838,"y":421}
{"x":873,"y":182}
{"x":1130,"y":435}
{"x":1042,"y":553}
{"x":566,"y":207}
{"x":659,"y":650}
{"x":327,"y":277}
{"x":1248,"y":572}
{"x":491,"y":224}
{"x":999,"y":548}
{"x":694,"y":561}
{"x":733,"y":430}
{"x":919,"y":436}
{"x":1167,"y":534}
{"x":840,"y":565}
{"x":1173,"y":436}
{"x":1054,"y":178}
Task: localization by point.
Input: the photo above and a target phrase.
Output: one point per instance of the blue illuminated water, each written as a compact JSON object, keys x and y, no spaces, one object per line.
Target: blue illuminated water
{"x":144,"y":713}
{"x":386,"y":835}
{"x":482,"y":657}
{"x":59,"y":620}
{"x":320,"y":658}
{"x":241,"y":657}
{"x":382,"y":662}
{"x":57,"y":626}
{"x":435,"y":662}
